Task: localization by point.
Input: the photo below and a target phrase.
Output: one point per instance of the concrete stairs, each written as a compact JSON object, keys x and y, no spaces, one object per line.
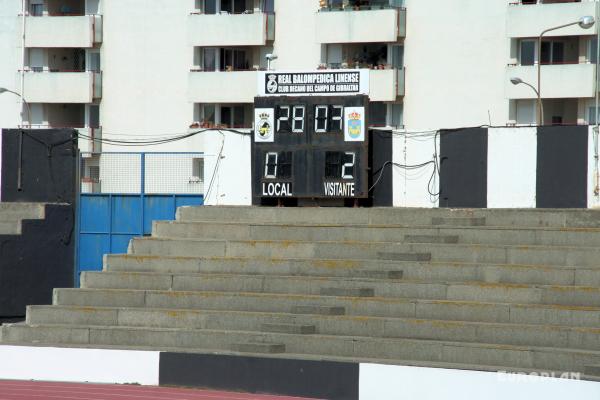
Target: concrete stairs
{"x":475,"y":289}
{"x":13,"y":214}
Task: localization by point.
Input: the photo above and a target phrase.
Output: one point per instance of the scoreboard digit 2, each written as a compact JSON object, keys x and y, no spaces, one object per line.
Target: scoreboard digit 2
{"x":310,"y":147}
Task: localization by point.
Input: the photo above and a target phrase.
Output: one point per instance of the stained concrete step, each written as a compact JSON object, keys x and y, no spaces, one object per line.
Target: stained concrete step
{"x":347,"y":287}
{"x":497,"y":254}
{"x":13,"y":212}
{"x":479,"y":311}
{"x":323,"y":345}
{"x":10,"y":228}
{"x":378,"y":233}
{"x":396,"y":216}
{"x":382,"y":269}
{"x":460,"y":331}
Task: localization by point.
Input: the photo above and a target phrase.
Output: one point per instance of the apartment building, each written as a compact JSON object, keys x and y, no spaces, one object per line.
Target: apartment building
{"x":152,"y":68}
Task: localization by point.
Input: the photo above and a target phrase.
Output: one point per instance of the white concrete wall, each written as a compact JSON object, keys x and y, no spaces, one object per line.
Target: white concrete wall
{"x":512,"y":167}
{"x":227,"y":182}
{"x":222,"y":87}
{"x":415,"y":188}
{"x":295,"y":35}
{"x":146,"y":58}
{"x":10,"y":62}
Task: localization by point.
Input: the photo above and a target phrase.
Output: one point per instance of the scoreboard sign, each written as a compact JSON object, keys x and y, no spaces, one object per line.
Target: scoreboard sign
{"x":310,"y":146}
{"x":315,"y":83}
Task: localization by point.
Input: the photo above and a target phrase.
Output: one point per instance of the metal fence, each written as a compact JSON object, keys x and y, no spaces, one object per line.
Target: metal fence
{"x":122,"y":193}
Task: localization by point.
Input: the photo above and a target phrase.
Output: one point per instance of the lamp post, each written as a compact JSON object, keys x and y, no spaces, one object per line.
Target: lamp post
{"x":2,"y":90}
{"x":540,"y":105}
{"x":584,"y":23}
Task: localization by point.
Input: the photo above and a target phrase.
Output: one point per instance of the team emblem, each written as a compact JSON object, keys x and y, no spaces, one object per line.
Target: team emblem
{"x":354,"y":125}
{"x":272,"y":84}
{"x":264,"y":128}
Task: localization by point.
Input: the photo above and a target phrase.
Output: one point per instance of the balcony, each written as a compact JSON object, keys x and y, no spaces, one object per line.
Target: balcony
{"x":360,"y":26}
{"x":222,"y":87}
{"x":63,"y":31}
{"x":62,"y":87}
{"x":529,"y":20}
{"x":231,"y":29}
{"x":558,"y":81}
{"x":386,"y":84}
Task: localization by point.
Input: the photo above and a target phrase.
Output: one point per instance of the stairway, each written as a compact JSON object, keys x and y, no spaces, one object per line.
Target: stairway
{"x":470,"y":289}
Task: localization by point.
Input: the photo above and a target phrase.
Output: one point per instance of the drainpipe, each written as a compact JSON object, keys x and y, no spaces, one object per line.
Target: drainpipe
{"x":23,"y":9}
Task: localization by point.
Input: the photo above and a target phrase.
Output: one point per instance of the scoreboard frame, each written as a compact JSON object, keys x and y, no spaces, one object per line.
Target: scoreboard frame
{"x":312,"y":159}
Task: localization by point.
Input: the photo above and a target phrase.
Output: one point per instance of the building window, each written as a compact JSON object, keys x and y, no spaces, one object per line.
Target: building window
{"x":377,"y":114}
{"x":397,"y":115}
{"x":553,"y":52}
{"x":592,"y":115}
{"x":593,"y":50}
{"x":209,"y":59}
{"x":269,"y":6}
{"x":397,"y":56}
{"x":36,"y":10}
{"x":527,"y":53}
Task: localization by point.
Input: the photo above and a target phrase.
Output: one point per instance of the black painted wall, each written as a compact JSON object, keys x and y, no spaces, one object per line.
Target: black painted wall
{"x":562,"y":167}
{"x":41,"y":258}
{"x":303,"y":378}
{"x":463,"y":168}
{"x":382,"y":194}
{"x":34,"y":263}
{"x":48,"y":166}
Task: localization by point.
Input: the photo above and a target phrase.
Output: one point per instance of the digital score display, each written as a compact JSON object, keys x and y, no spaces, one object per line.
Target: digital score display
{"x":310,"y":147}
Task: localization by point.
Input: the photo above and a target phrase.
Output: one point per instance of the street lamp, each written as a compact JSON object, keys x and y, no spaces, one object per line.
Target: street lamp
{"x":584,"y":23}
{"x":2,"y":90}
{"x":540,"y":105}
{"x":270,"y":58}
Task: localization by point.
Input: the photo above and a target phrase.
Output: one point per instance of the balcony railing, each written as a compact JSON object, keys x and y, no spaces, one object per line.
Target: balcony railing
{"x":362,"y":26}
{"x":231,"y":29}
{"x":558,"y":81}
{"x":529,"y":20}
{"x":62,"y":86}
{"x":63,"y":31}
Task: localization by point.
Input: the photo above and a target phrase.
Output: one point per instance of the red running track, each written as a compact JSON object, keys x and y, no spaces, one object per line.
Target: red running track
{"x":29,"y":390}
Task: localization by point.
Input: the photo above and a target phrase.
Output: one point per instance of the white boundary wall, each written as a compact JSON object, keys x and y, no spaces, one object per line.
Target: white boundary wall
{"x":79,"y":365}
{"x":512,"y":166}
{"x":392,"y":382}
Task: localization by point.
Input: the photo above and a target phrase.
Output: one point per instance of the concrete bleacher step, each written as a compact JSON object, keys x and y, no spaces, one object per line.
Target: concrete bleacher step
{"x":589,"y":218}
{"x":317,"y":344}
{"x":458,"y":310}
{"x":458,"y":221}
{"x":548,"y":236}
{"x":411,"y":270}
{"x":259,"y":348}
{"x":500,"y":254}
{"x":348,"y":287}
{"x":364,"y":326}
{"x":13,"y":212}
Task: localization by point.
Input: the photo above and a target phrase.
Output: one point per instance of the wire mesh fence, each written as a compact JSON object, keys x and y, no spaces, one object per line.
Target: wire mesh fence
{"x":146,"y":173}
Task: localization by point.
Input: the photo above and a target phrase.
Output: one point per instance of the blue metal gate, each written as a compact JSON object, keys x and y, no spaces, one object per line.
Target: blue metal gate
{"x":107,"y":221}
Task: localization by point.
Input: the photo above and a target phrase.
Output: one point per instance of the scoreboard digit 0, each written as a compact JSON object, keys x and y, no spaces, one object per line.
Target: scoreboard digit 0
{"x":310,"y":147}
